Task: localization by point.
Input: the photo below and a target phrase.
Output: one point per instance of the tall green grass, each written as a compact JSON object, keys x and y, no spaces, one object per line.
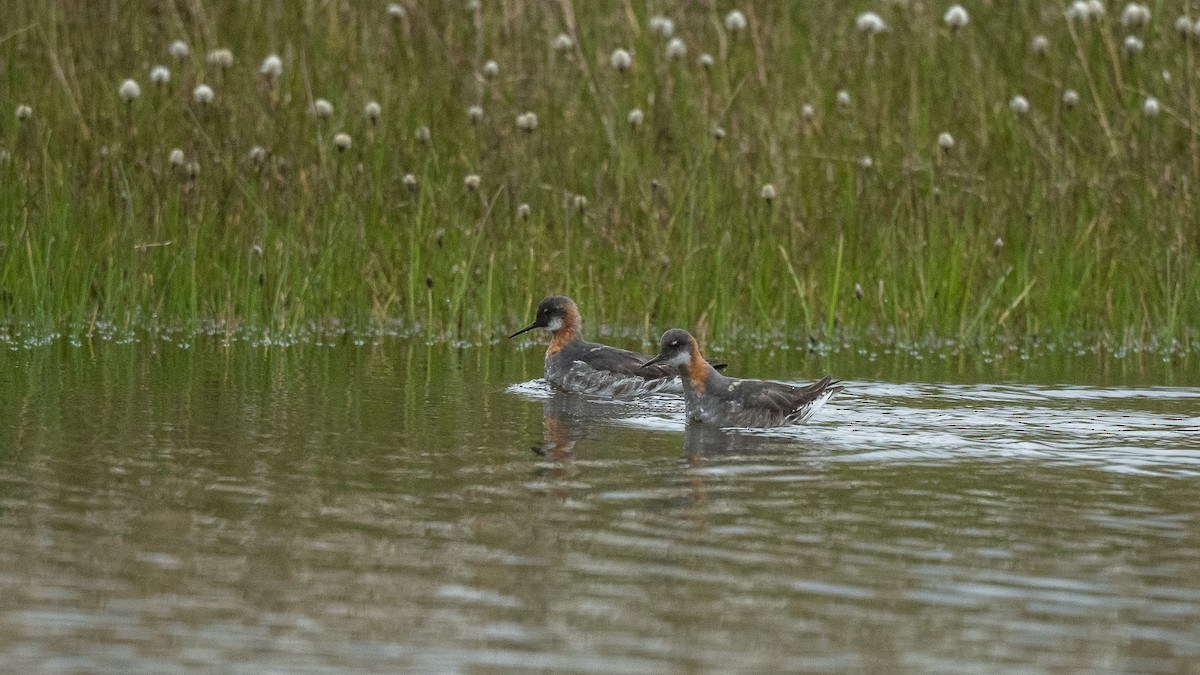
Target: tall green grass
{"x":1093,"y":206}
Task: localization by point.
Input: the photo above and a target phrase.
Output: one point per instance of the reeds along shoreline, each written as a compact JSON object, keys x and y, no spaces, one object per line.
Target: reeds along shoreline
{"x":797,"y":169}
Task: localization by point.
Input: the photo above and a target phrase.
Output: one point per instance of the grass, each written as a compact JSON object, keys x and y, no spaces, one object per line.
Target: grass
{"x":1059,"y":223}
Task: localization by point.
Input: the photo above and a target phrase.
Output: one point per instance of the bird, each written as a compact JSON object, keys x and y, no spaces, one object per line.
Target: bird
{"x":576,"y":365}
{"x":713,"y":398}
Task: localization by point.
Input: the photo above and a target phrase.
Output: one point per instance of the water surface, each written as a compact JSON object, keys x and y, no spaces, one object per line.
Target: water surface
{"x":396,"y":507}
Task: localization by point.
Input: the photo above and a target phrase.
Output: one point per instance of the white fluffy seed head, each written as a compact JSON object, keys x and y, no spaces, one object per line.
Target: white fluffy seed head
{"x":410,"y":181}
{"x":768,"y":192}
{"x":945,"y":140}
{"x":1183,"y":25}
{"x":718,"y":133}
{"x":1150,"y":107}
{"x":1070,"y":98}
{"x":321,"y":108}
{"x":272,"y":66}
{"x":621,"y":60}
{"x":129,"y":90}
{"x":179,"y":49}
{"x":636,"y":117}
{"x":491,"y":69}
{"x":1095,"y":8}
{"x":870,"y":23}
{"x":707,"y":61}
{"x":342,"y":141}
{"x":475,"y":114}
{"x":807,"y":111}
{"x":735,"y":21}
{"x":1039,"y":45}
{"x":1019,"y":104}
{"x":372,"y":110}
{"x":661,"y":25}
{"x":580,"y":202}
{"x":523,"y":211}
{"x":998,"y":245}
{"x":1135,"y":15}
{"x":843,"y":98}
{"x":203,"y":94}
{"x":160,"y":75}
{"x":1078,"y":10}
{"x":396,"y":11}
{"x":222,"y":58}
{"x":866,"y":162}
{"x":471,"y":182}
{"x":423,"y":134}
{"x":956,"y":17}
{"x":563,"y":43}
{"x":257,"y":154}
{"x":1133,"y":45}
{"x":24,"y":112}
{"x":676,"y":49}
{"x":527,"y":122}
{"x":175,"y":157}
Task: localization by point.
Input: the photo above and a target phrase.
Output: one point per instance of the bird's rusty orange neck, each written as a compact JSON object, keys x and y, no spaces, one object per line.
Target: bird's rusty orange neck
{"x":571,"y":330}
{"x":697,"y":369}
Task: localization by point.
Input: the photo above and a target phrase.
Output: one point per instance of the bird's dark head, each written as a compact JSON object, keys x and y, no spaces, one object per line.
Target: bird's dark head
{"x":675,"y":349}
{"x":555,"y":313}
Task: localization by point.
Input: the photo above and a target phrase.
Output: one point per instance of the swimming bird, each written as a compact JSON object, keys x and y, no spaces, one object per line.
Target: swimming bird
{"x":733,"y":402}
{"x":577,"y":365}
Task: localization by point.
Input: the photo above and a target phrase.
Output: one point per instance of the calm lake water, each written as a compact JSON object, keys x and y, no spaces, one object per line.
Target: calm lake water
{"x":396,"y":507}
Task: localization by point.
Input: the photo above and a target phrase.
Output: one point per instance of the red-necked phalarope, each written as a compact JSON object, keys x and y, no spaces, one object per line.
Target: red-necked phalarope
{"x":732,"y":402}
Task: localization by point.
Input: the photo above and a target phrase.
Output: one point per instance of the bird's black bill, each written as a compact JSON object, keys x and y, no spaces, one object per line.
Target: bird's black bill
{"x":525,"y":329}
{"x":653,"y":361}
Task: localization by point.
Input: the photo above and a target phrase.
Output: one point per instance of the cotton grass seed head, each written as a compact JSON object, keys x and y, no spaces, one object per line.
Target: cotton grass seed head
{"x":661,"y":25}
{"x":718,"y":133}
{"x":621,"y":60}
{"x":676,"y":49}
{"x":175,"y":157}
{"x":471,"y":182}
{"x":1019,"y":104}
{"x":580,"y":203}
{"x":1135,"y":15}
{"x":636,"y":117}
{"x":945,"y":141}
{"x":956,"y":17}
{"x":1183,"y":26}
{"x":767,"y":193}
{"x":563,"y":43}
{"x":372,"y":110}
{"x":129,"y":90}
{"x":1039,"y":45}
{"x":203,"y":94}
{"x":179,"y":49}
{"x":735,"y":21}
{"x":160,"y":75}
{"x":342,"y":141}
{"x":1150,"y":107}
{"x":491,"y":69}
{"x":257,"y":154}
{"x":396,"y":11}
{"x":866,"y":162}
{"x":222,"y":58}
{"x":707,"y":61}
{"x":997,"y":246}
{"x":409,"y":181}
{"x":807,"y":111}
{"x":475,"y":114}
{"x":1133,"y":45}
{"x":272,"y":66}
{"x":1070,"y":98}
{"x":843,"y":99}
{"x":523,"y":211}
{"x":423,"y":134}
{"x":321,"y":108}
{"x":24,"y":112}
{"x":870,"y":23}
{"x":527,"y":122}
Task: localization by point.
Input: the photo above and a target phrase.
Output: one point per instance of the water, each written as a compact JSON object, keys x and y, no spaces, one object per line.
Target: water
{"x":392,"y":507}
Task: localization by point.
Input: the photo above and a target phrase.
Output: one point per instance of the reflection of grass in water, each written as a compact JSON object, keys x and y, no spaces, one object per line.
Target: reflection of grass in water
{"x":1094,"y":205}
